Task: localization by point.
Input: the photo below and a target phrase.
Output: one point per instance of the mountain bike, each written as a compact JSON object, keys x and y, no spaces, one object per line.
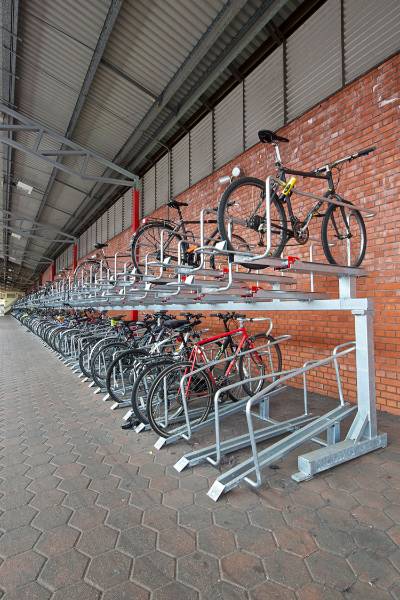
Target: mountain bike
{"x":242,"y":212}
{"x":159,"y":239}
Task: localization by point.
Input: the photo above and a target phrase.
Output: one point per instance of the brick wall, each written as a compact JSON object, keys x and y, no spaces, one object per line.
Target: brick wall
{"x":364,"y":113}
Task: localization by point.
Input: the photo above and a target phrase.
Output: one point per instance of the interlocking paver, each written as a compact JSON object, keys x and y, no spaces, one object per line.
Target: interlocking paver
{"x":18,"y":540}
{"x":78,"y":591}
{"x":31,"y":591}
{"x":17,"y":517}
{"x":177,"y":541}
{"x":116,"y":515}
{"x":198,"y":570}
{"x":243,"y":569}
{"x":57,"y":540}
{"x":334,"y":540}
{"x":20,"y":569}
{"x":137,"y":541}
{"x":109,"y":569}
{"x":126,"y":591}
{"x":53,"y":516}
{"x":230,"y":518}
{"x":97,"y":540}
{"x":286,"y":569}
{"x":63,"y":569}
{"x":217,"y":541}
{"x":154,"y":570}
{"x":331,"y":569}
{"x":368,"y":566}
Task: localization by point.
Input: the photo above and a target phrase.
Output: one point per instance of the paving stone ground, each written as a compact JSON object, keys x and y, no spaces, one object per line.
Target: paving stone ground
{"x":91,"y":512}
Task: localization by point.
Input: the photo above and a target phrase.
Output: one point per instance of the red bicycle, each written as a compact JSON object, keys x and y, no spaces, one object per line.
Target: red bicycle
{"x":232,"y":351}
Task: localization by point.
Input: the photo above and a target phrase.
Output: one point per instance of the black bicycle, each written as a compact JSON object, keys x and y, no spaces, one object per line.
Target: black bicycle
{"x":242,"y":213}
{"x":157,"y":241}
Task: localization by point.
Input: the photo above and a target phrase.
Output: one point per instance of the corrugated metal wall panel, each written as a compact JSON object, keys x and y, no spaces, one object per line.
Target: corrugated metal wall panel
{"x":127,"y":209}
{"x":118,"y":216}
{"x":149,"y":191}
{"x":104,"y":227}
{"x":111,"y":222}
{"x":99,"y":231}
{"x":180,"y":166}
{"x":201,"y":150}
{"x":263,"y":90}
{"x":82,"y":245}
{"x":69,"y":256}
{"x":162,"y":180}
{"x":228,"y":129}
{"x":314,"y":66}
{"x":371,"y":33}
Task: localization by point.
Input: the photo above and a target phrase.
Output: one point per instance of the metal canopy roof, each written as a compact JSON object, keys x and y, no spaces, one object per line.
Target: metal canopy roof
{"x":117,"y":77}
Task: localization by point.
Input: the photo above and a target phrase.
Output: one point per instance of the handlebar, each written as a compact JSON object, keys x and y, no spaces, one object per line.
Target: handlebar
{"x":362,"y":152}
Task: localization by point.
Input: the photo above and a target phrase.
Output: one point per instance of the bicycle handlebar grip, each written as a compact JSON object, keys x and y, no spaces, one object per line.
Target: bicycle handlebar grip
{"x":364,"y":152}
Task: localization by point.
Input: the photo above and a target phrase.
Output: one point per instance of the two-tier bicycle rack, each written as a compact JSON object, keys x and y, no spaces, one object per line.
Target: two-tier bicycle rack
{"x":179,"y":287}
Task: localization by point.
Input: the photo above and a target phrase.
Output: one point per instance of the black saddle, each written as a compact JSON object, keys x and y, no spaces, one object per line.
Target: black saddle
{"x":99,"y":245}
{"x":175,"y":323}
{"x":269,"y":137}
{"x":176,"y":204}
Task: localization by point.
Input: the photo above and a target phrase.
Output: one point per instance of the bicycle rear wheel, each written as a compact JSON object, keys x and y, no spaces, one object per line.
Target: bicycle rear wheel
{"x":241,"y":211}
{"x":146,"y":246}
{"x":145,"y":378}
{"x":165,"y":409}
{"x":343,"y":235}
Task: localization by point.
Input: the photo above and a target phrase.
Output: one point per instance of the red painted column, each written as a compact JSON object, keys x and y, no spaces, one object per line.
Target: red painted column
{"x":53,"y":270}
{"x":75,"y":257}
{"x":135,"y":225}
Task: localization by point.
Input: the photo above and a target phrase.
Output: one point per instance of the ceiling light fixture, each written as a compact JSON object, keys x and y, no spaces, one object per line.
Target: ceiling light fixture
{"x":15,"y":235}
{"x":25,"y":187}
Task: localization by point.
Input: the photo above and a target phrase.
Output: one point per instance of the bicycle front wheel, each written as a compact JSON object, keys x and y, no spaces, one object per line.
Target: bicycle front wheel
{"x":165,"y":406}
{"x":268,"y":359}
{"x":241,"y":211}
{"x":343,"y":236}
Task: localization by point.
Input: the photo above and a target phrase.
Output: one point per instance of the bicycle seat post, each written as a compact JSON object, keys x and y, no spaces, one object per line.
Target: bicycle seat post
{"x":278,"y":160}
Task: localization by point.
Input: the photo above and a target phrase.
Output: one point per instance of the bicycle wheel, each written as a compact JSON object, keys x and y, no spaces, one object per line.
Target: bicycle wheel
{"x":101,"y":360}
{"x":119,"y":381}
{"x":242,"y":210}
{"x":145,"y":378}
{"x":165,"y":405}
{"x":147,"y":242}
{"x":86,"y":272}
{"x":343,"y":235}
{"x":266,"y":360}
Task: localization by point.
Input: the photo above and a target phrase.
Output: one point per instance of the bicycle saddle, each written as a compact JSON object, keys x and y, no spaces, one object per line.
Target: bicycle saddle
{"x":176,"y":204}
{"x":175,"y":323}
{"x":269,"y":137}
{"x":99,"y":245}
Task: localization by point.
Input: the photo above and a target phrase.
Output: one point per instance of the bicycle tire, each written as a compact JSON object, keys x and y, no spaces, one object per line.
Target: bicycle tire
{"x":326,"y":243}
{"x":152,"y":399}
{"x":136,"y":353}
{"x":94,"y":373}
{"x":264,"y":338}
{"x":144,"y":229}
{"x":144,"y":373}
{"x":86,"y":265}
{"x":225,"y":202}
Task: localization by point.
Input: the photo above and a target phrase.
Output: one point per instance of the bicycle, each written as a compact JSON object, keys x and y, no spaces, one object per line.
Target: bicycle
{"x":158,"y":239}
{"x":242,"y":210}
{"x":91,"y":267}
{"x":165,"y":403}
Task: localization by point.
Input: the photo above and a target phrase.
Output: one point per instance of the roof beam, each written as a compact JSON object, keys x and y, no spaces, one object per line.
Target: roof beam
{"x":217,"y":27}
{"x":106,"y":31}
{"x":9,"y":10}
